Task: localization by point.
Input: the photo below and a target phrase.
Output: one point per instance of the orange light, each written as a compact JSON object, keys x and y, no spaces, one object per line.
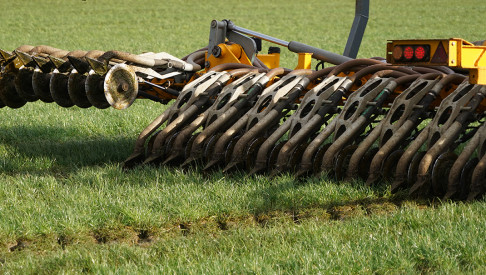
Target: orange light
{"x":397,"y":53}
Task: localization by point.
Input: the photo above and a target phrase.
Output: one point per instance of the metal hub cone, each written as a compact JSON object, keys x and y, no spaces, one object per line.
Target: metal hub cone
{"x":121,"y":86}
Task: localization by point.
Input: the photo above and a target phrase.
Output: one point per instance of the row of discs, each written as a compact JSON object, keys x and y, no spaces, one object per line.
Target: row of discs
{"x":68,"y":81}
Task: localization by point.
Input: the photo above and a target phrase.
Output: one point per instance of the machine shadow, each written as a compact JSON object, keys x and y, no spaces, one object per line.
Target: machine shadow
{"x":280,"y":197}
{"x":35,"y":148}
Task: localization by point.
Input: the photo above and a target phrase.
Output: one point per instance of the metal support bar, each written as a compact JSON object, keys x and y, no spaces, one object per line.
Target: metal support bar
{"x":233,"y":27}
{"x":358,"y":28}
{"x":317,"y":53}
{"x":166,"y":90}
{"x":294,"y":46}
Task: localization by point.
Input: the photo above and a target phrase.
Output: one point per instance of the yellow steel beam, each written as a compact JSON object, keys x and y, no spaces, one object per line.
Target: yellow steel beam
{"x":459,"y":54}
{"x":270,"y":60}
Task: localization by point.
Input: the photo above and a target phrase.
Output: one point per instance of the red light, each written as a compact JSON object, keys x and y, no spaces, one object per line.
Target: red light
{"x":420,"y":52}
{"x":408,"y":52}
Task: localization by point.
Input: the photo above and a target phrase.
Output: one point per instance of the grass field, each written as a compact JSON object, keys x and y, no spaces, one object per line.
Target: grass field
{"x":66,"y":206}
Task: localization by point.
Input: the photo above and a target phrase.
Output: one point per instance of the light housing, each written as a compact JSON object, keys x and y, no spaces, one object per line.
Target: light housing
{"x":411,"y":53}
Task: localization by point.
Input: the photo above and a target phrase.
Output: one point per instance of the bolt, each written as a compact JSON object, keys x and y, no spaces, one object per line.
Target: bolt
{"x":207,"y":64}
{"x":216,"y":51}
{"x":123,"y":87}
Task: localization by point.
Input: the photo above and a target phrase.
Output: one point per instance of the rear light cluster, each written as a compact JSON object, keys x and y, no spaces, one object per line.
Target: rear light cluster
{"x":411,"y":53}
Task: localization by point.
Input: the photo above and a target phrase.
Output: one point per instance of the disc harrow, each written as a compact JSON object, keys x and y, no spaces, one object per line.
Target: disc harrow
{"x":417,"y":128}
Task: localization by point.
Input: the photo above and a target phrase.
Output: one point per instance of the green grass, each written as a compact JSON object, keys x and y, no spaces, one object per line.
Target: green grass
{"x":66,"y":206}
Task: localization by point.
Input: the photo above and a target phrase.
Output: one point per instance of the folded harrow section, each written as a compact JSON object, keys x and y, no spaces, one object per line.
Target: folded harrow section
{"x":92,"y":78}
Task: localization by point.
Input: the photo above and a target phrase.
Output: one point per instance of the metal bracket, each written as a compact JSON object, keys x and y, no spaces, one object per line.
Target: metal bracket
{"x":248,"y":44}
{"x":217,"y":34}
{"x":358,"y":28}
{"x":220,"y":30}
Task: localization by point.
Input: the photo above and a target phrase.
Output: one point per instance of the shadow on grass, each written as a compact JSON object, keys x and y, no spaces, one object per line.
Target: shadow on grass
{"x":324,"y":196}
{"x":44,"y":149}
{"x":47,"y":150}
{"x":345,"y":199}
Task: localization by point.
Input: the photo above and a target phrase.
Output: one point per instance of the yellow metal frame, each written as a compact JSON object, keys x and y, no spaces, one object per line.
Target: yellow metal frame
{"x":234,"y":53}
{"x":304,"y":61}
{"x":468,"y":56}
{"x":270,"y":60}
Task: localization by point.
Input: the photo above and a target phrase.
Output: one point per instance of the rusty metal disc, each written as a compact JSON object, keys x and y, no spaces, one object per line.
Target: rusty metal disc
{"x":365,"y":163}
{"x":209,"y":147}
{"x":342,"y":161}
{"x":121,"y":86}
{"x":413,"y":169}
{"x":8,"y":93}
{"x":440,"y":172}
{"x":466,"y":178}
{"x":23,"y":84}
{"x":150,"y":143}
{"x":169,"y":156}
{"x":296,"y":157}
{"x":252,"y":151}
{"x":188,"y":148}
{"x":229,"y":149}
{"x":317,"y":160}
{"x":77,"y":90}
{"x":272,"y":158}
{"x":477,"y":188}
{"x":94,"y":91}
{"x":390,"y":164}
{"x":154,"y":157}
{"x":460,"y":191}
{"x":59,"y":89}
{"x":169,"y":142}
{"x":40,"y":85}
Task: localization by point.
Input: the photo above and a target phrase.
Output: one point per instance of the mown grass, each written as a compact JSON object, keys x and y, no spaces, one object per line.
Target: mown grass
{"x":66,"y":206}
